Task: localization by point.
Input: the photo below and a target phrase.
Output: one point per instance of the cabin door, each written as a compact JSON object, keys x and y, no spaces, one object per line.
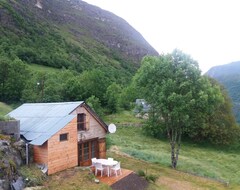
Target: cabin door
{"x":87,"y":151}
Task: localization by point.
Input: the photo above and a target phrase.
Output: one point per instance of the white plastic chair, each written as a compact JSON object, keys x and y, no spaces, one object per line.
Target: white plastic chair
{"x":98,"y":167}
{"x":117,"y":168}
{"x":94,"y":160}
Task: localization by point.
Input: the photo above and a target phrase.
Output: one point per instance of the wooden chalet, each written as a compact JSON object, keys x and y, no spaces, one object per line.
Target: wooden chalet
{"x":63,"y":135}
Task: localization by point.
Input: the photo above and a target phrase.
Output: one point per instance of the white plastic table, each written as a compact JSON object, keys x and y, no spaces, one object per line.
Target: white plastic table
{"x":107,"y":163}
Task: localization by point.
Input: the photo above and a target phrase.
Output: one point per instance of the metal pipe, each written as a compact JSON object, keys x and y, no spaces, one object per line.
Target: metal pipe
{"x":26,"y":153}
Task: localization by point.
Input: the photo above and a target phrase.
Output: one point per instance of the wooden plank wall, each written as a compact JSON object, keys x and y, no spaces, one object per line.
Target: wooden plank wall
{"x":95,"y":130}
{"x":40,"y":154}
{"x":64,"y":154}
{"x":102,"y":148}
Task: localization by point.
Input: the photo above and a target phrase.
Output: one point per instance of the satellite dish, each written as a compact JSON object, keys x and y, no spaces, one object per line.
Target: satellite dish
{"x":112,"y":128}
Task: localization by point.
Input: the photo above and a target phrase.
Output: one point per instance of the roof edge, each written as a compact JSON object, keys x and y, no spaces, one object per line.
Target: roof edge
{"x":94,"y":114}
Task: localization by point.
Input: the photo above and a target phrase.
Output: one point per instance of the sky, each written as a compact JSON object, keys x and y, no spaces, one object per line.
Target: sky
{"x":208,"y":30}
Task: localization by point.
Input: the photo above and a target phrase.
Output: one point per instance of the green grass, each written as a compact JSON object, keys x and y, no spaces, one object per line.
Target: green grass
{"x":123,"y":118}
{"x":216,"y":163}
{"x":41,"y":68}
{"x":167,"y":178}
{"x":4,"y":109}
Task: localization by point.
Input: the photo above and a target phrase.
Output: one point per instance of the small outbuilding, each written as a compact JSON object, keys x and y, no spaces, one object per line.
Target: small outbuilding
{"x":141,"y":106}
{"x":63,"y":135}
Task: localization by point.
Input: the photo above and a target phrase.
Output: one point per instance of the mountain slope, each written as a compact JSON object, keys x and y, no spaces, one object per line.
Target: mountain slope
{"x":70,"y":34}
{"x":229,"y":76}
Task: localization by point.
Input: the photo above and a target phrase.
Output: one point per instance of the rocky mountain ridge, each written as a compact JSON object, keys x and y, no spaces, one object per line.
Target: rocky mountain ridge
{"x":100,"y":36}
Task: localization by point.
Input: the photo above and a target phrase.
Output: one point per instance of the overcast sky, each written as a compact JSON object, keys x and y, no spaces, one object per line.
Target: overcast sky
{"x":208,"y":30}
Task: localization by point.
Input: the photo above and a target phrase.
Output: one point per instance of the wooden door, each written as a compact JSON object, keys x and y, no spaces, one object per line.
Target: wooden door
{"x":86,"y":151}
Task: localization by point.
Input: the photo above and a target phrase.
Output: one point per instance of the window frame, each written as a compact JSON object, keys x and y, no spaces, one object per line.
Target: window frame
{"x":82,"y":122}
{"x":63,"y":138}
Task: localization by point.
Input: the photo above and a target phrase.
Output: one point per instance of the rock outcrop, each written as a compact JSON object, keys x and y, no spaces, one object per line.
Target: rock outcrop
{"x":12,"y":156}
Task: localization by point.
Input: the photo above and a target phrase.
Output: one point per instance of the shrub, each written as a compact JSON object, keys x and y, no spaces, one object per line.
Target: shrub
{"x":151,"y":177}
{"x":141,"y":173}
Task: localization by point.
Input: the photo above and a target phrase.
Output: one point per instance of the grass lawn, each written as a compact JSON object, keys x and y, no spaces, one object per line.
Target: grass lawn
{"x":4,"y":108}
{"x":122,"y":118}
{"x":218,"y":164}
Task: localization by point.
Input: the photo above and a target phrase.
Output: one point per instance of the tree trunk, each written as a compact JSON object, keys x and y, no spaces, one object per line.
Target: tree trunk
{"x":173,"y":157}
{"x":175,"y":147}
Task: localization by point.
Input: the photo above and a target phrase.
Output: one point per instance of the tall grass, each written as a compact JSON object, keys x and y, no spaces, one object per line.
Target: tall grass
{"x":217,"y":163}
{"x":4,"y":109}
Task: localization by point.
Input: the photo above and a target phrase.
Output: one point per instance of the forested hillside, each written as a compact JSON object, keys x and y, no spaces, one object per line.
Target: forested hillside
{"x":229,"y":76}
{"x":92,"y":48}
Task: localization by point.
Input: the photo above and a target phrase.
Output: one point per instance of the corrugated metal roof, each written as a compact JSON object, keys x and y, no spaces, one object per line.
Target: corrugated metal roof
{"x":40,"y":121}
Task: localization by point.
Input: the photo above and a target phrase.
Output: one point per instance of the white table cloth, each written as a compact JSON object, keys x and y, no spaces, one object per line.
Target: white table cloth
{"x":107,"y":163}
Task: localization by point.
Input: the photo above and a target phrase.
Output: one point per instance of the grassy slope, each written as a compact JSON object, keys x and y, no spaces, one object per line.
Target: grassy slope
{"x":42,"y":68}
{"x":4,"y":108}
{"x":167,"y":178}
{"x":216,"y":163}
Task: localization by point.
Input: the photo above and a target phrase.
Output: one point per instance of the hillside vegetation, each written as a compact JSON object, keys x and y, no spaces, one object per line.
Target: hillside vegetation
{"x":70,"y":34}
{"x":75,"y":51}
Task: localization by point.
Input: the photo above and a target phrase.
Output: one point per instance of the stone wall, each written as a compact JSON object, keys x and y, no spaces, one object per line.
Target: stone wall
{"x":10,"y":128}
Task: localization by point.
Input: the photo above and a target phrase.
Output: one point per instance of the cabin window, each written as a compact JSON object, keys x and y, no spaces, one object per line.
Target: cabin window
{"x":63,"y":137}
{"x":81,"y":122}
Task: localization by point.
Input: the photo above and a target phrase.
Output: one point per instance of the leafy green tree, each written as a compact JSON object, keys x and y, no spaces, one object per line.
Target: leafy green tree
{"x":221,"y":127}
{"x":95,"y":104}
{"x":71,"y":86}
{"x":172,"y":84}
{"x":13,"y":77}
{"x":35,"y":87}
{"x":93,"y":82}
{"x":52,"y":87}
{"x":4,"y":75}
{"x":112,"y":97}
{"x":127,"y":97}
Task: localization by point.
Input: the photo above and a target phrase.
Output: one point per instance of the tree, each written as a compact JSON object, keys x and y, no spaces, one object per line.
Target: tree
{"x":13,"y":77}
{"x":95,"y":104}
{"x":94,"y":82}
{"x":172,"y":84}
{"x":112,"y":96}
{"x":4,"y":75}
{"x":127,"y":97}
{"x":220,"y":127}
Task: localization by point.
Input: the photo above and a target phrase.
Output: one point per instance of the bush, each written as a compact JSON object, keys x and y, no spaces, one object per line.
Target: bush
{"x":151,"y":177}
{"x":141,"y":173}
